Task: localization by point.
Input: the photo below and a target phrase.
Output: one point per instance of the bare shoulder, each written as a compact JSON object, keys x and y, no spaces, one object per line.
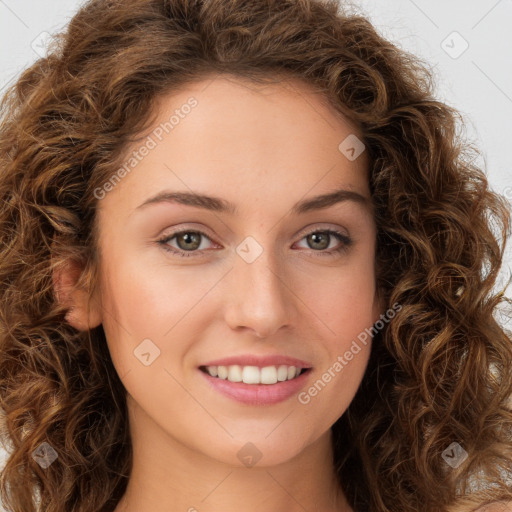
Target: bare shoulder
{"x":498,"y":506}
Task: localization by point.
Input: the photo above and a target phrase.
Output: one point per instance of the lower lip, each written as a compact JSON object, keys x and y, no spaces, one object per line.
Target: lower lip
{"x":258,"y":394}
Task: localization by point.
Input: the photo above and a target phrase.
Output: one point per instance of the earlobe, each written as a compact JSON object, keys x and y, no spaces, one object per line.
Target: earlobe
{"x":85,"y":312}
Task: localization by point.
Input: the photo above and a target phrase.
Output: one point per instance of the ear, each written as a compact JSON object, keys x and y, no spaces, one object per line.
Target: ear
{"x":85,"y":312}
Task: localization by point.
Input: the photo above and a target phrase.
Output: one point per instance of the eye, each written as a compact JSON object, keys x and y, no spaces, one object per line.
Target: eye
{"x":320,"y":240}
{"x":189,"y":242}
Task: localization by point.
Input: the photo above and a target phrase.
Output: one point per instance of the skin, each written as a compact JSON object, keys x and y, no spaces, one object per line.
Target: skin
{"x":263,"y":148}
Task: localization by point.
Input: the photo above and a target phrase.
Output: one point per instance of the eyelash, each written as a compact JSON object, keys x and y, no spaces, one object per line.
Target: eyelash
{"x":345,"y":240}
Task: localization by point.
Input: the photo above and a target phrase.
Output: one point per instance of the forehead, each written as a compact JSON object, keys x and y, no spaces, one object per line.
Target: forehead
{"x":229,"y":98}
{"x":245,"y":139}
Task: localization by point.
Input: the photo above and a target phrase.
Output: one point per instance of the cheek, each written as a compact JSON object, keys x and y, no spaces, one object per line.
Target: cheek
{"x":151,"y":299}
{"x":146,"y":301}
{"x":341,"y":301}
{"x":343,"y":312}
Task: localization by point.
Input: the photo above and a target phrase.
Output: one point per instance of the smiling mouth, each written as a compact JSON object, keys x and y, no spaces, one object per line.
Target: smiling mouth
{"x":254,"y":374}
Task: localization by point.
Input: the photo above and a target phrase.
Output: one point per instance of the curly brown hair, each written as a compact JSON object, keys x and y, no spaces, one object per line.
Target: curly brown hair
{"x":440,"y":371}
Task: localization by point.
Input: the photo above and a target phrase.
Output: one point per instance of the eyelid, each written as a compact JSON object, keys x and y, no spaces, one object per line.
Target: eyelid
{"x":320,"y":227}
{"x":311,"y":228}
{"x":186,"y":228}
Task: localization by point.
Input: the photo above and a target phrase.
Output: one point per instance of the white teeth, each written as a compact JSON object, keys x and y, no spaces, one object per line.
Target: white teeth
{"x":268,"y":375}
{"x":212,"y":370}
{"x":251,"y":375}
{"x":282,"y":373}
{"x":235,"y":373}
{"x":254,"y":374}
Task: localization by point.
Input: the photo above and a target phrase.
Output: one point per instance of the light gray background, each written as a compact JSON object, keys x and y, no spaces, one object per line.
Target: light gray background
{"x":478,"y":82}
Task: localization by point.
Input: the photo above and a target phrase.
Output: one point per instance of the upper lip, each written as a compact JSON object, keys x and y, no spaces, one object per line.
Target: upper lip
{"x":260,"y":361}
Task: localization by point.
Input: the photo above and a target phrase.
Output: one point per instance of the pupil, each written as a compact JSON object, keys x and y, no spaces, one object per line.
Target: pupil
{"x":315,"y":237}
{"x":190,"y":238}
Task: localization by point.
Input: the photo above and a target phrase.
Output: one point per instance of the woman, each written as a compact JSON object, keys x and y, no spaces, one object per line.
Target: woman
{"x":241,"y":267}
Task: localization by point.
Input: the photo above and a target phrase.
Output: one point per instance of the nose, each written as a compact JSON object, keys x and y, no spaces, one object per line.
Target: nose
{"x":259,"y":299}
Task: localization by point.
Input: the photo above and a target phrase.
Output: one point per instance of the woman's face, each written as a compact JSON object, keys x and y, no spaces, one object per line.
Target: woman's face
{"x":252,"y":277}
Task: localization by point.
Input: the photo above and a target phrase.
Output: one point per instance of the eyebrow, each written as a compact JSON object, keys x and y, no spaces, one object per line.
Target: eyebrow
{"x":217,"y":204}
